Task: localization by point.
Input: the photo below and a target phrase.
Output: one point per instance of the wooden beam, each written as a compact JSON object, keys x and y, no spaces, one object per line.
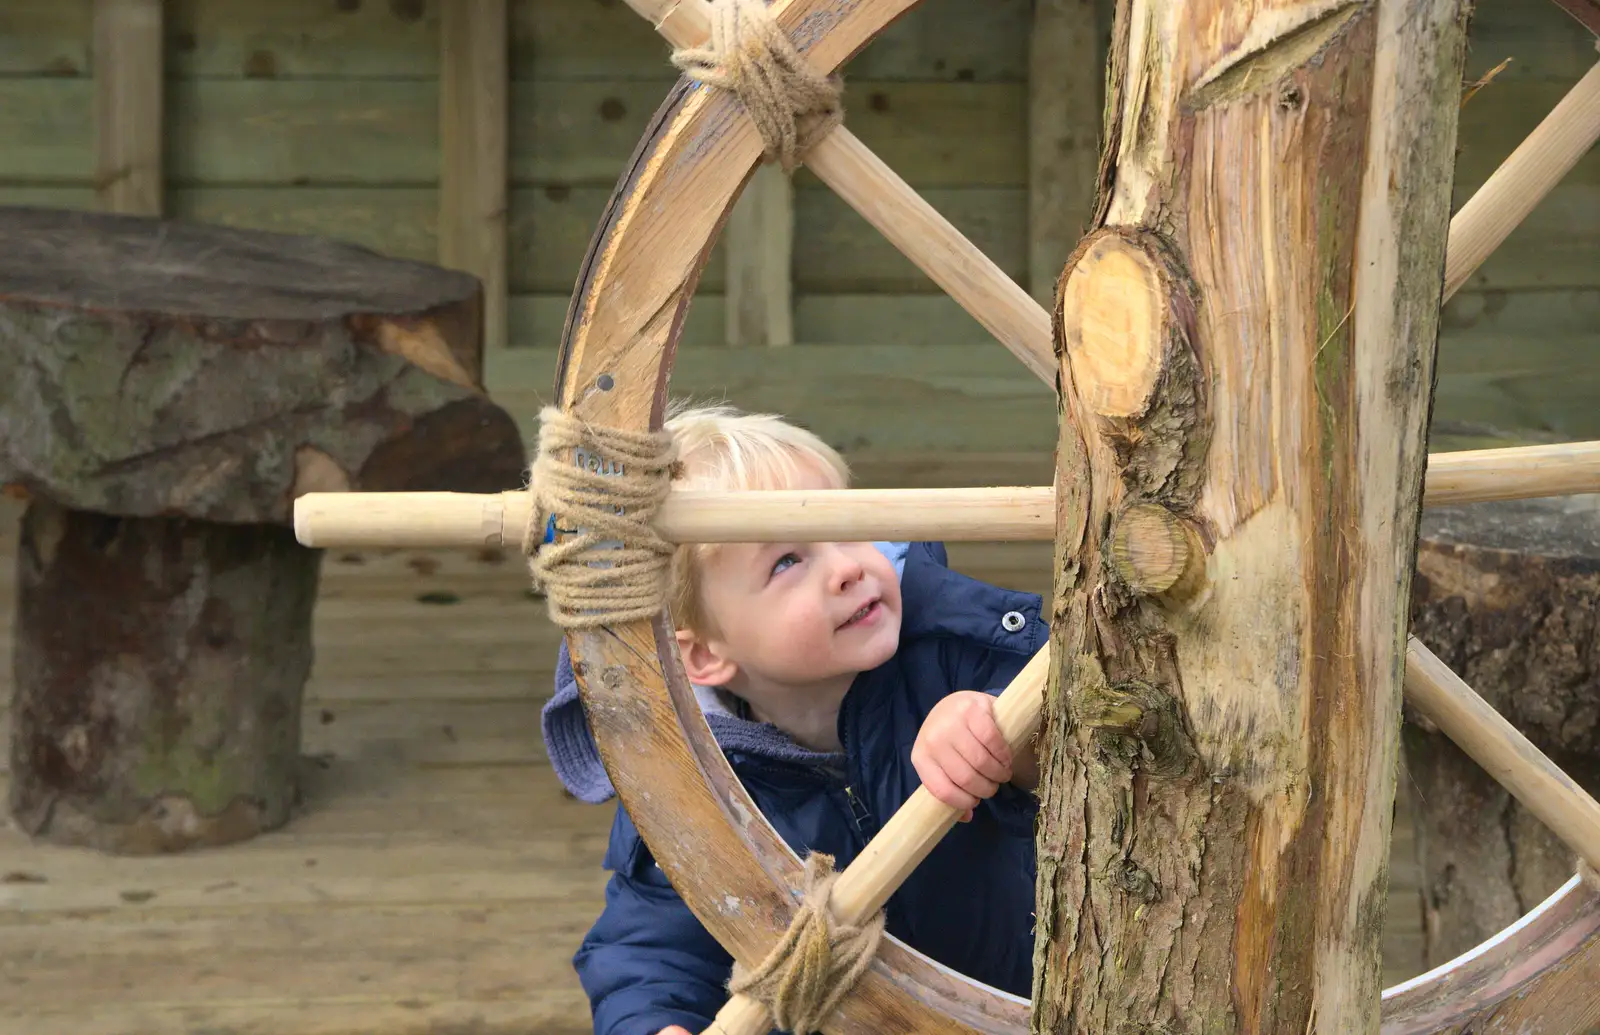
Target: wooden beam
{"x":1246,"y":346}
{"x":1065,"y":70}
{"x":474,"y":102}
{"x":760,"y":288}
{"x":128,"y":105}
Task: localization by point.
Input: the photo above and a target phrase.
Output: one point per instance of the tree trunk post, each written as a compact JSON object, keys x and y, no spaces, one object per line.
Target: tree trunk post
{"x":1246,"y":345}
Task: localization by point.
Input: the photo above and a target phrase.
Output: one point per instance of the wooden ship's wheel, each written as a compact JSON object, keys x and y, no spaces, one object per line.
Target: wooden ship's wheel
{"x":1236,"y":495}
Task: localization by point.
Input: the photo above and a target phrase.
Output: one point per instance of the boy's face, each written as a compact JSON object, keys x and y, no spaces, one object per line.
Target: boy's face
{"x":792,"y":615}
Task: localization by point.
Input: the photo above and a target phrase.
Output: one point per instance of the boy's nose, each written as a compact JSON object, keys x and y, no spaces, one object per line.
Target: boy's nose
{"x":846,"y":568}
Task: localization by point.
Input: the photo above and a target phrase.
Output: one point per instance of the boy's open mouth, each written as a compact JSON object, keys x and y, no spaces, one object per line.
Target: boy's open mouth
{"x":866,"y":612}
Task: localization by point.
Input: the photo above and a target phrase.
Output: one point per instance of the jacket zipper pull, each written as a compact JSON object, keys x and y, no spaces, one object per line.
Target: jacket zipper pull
{"x":858,"y":810}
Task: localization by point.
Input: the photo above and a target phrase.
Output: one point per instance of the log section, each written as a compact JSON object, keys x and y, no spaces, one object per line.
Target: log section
{"x":166,"y":391}
{"x":1508,"y":595}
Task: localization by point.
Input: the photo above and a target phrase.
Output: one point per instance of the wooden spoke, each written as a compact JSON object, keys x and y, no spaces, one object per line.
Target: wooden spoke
{"x":937,"y":248}
{"x":1504,"y":753}
{"x":987,"y":514}
{"x":1532,"y":171}
{"x":912,"y":225}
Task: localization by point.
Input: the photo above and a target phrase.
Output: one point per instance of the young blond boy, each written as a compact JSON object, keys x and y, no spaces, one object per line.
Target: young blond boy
{"x":837,"y":677}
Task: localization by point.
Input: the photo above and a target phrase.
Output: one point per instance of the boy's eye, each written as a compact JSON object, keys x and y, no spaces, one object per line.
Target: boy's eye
{"x":783,"y":562}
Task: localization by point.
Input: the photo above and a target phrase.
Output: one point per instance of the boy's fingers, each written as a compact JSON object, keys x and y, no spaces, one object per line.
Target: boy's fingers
{"x":965,"y":776}
{"x":981,"y":722}
{"x":946,"y":792}
{"x":969,"y":750}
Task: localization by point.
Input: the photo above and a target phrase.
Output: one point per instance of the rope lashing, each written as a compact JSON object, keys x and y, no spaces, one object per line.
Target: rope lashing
{"x":749,"y":55}
{"x":610,"y":566}
{"x":817,"y":961}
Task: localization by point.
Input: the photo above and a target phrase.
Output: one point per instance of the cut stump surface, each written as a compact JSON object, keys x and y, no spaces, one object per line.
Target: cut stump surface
{"x":1508,"y":595}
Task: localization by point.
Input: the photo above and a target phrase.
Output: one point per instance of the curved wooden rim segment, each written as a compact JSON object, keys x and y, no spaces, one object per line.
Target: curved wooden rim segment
{"x":730,"y":866}
{"x":1543,"y":966}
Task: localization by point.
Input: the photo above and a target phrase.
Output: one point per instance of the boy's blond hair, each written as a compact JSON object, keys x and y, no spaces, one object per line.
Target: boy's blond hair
{"x":723,"y":448}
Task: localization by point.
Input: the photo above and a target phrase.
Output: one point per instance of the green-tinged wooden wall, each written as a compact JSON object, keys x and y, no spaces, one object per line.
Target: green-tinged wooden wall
{"x":321,"y":116}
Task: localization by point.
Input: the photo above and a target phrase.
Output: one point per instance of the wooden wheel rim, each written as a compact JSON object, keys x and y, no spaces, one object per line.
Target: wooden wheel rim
{"x":617,"y":351}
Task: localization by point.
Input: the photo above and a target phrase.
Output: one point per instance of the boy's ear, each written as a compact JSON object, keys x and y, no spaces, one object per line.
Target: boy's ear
{"x":703,"y":663}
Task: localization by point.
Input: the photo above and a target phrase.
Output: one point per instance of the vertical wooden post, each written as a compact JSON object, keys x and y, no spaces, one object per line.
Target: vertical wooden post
{"x":474,"y":104}
{"x":1065,"y":71}
{"x":1246,"y":345}
{"x":128,"y":105}
{"x":759,"y":300}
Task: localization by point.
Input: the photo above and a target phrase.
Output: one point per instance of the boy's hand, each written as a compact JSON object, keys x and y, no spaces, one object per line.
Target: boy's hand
{"x":673,"y":1029}
{"x":959,"y":752}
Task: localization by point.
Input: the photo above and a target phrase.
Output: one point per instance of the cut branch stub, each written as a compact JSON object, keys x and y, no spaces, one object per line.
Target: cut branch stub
{"x":1156,"y":552}
{"x":1114,"y":310}
{"x":1127,"y":317}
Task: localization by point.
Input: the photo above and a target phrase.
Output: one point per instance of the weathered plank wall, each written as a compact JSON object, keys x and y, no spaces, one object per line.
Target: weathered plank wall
{"x":321,"y":116}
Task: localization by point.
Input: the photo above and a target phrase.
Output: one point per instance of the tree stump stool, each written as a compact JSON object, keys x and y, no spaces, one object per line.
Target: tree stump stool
{"x":166,"y":391}
{"x":1508,"y":595}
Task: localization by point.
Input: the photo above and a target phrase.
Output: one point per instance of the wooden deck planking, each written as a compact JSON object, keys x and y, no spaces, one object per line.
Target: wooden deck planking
{"x":437,"y":879}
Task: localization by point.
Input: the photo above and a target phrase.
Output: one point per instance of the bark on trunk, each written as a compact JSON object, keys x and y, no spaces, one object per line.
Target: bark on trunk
{"x":1508,"y":595}
{"x":1247,"y":352}
{"x":159,"y":664}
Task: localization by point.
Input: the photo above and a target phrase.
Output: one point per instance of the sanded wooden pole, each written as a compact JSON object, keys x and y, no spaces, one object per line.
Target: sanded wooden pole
{"x":912,"y":225}
{"x":987,"y":514}
{"x":904,"y":841}
{"x":1521,"y":472}
{"x":1503,"y":752}
{"x":1522,"y":181}
{"x":414,"y":519}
